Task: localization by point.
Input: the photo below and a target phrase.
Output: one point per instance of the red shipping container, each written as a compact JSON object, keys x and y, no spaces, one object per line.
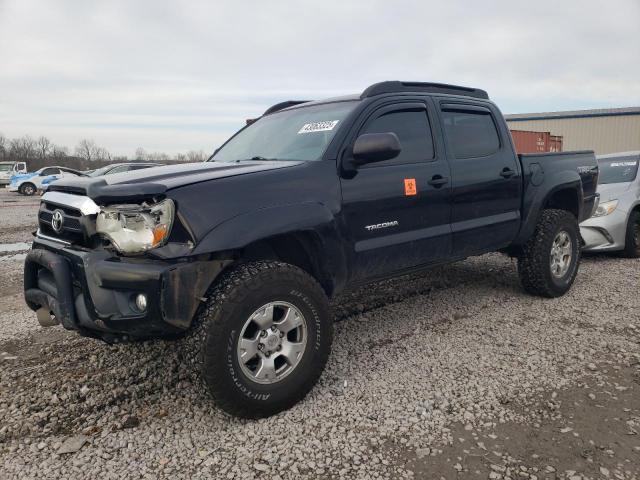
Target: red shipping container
{"x":536,"y":142}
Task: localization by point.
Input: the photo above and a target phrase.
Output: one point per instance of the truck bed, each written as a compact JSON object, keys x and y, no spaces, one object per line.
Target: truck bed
{"x":542,"y":172}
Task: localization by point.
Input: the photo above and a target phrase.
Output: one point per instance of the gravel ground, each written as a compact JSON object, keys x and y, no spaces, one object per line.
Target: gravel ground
{"x":452,"y":373}
{"x":19,"y":216}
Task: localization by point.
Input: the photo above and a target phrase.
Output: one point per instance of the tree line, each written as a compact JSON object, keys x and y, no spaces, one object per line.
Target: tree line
{"x":41,"y":152}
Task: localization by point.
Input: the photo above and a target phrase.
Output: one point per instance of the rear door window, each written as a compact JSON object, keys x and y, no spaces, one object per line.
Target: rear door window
{"x":470,"y":132}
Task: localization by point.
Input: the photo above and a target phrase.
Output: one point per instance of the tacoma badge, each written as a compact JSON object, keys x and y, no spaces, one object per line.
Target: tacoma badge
{"x":377,"y":226}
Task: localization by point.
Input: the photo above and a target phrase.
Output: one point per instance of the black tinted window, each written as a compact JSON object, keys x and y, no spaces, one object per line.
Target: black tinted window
{"x":412,"y":129}
{"x":50,"y":171}
{"x":471,"y":133}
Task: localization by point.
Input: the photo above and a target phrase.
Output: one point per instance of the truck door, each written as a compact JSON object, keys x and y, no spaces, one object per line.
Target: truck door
{"x":486,"y":179}
{"x":397,"y":211}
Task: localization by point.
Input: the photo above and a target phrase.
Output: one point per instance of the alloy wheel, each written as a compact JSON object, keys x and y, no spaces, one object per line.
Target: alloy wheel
{"x":561,"y":254}
{"x":272,"y":342}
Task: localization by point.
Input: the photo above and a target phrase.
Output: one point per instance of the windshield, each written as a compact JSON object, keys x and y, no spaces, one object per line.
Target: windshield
{"x":298,"y":134}
{"x":6,"y":167}
{"x":617,"y":170}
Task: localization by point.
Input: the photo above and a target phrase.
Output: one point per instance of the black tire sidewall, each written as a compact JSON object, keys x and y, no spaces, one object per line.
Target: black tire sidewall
{"x":221,"y":345}
{"x":563,"y":284}
{"x":24,"y":188}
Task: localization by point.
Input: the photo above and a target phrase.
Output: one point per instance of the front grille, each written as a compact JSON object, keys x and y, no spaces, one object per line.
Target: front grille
{"x":70,"y":211}
{"x":73,"y":223}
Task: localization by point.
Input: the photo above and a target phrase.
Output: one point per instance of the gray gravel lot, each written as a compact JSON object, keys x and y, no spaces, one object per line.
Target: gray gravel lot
{"x":455,"y":373}
{"x":19,"y":216}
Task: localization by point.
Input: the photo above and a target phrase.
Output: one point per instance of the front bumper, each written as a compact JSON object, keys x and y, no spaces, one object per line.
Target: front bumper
{"x":605,"y":233}
{"x":94,"y":291}
{"x":12,"y":188}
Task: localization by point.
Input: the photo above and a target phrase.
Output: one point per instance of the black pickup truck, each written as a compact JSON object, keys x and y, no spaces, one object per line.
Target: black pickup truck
{"x":243,"y":251}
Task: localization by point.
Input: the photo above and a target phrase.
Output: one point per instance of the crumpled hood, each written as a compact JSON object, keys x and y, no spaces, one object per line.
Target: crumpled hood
{"x":149,"y":182}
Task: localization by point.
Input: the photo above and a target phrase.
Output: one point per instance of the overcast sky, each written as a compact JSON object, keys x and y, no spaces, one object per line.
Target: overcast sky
{"x":182,"y":75}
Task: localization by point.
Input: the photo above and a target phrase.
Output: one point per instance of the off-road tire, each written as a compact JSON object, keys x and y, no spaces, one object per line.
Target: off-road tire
{"x":631,"y":241}
{"x":28,"y":189}
{"x":230,"y":302}
{"x":534,"y":265}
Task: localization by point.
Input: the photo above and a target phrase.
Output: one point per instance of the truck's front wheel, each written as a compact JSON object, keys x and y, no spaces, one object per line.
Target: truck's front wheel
{"x":550,"y":260}
{"x":267,"y":337}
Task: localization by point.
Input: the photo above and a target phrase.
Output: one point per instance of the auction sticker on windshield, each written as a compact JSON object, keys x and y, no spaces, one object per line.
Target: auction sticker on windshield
{"x":623,"y":164}
{"x":318,"y":126}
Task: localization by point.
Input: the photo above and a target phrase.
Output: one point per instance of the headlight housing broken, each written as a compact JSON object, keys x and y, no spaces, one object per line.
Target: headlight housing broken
{"x":136,"y":228}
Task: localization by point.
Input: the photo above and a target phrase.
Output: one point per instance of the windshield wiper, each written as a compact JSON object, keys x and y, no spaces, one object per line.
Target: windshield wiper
{"x":255,"y":158}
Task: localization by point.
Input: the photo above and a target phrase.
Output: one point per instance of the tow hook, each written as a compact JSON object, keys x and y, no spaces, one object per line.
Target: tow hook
{"x":45,"y":318}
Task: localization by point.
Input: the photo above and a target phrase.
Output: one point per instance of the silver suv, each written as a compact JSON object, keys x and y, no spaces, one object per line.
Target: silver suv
{"x":615,"y":226}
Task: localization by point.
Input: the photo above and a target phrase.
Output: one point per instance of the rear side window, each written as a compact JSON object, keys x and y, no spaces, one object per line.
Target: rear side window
{"x":471,"y":133}
{"x":413,"y":131}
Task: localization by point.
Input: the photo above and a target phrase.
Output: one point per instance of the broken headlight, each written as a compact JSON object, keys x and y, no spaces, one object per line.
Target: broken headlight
{"x":136,"y":228}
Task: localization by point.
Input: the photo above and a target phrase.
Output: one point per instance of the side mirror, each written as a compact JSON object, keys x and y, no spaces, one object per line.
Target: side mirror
{"x":376,"y":147}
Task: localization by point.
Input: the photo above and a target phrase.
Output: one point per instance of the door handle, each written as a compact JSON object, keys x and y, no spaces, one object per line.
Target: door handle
{"x":438,"y":180}
{"x":507,"y":172}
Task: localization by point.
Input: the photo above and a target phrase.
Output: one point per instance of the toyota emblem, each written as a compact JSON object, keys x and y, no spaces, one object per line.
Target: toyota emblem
{"x":57,"y":220}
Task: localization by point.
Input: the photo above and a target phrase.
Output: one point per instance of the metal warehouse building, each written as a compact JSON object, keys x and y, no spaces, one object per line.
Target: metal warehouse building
{"x":606,"y":130}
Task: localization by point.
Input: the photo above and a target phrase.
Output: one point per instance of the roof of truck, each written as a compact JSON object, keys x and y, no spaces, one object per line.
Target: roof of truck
{"x":381,"y":88}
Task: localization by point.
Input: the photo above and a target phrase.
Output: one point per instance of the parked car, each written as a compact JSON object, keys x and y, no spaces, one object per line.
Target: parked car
{"x":9,"y":169}
{"x":615,"y":226}
{"x":108,"y":170}
{"x":29,"y":183}
{"x":121,"y":168}
{"x":299,"y":205}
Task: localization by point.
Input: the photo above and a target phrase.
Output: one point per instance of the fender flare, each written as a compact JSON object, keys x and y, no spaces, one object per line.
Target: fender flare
{"x":244,"y":229}
{"x":536,"y":197}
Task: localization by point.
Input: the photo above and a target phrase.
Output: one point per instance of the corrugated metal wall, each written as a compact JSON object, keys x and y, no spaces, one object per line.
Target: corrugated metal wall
{"x":601,"y":134}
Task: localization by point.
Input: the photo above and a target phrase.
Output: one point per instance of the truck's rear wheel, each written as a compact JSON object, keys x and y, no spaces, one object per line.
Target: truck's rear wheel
{"x":632,"y":238}
{"x":550,"y":260}
{"x":267,"y":337}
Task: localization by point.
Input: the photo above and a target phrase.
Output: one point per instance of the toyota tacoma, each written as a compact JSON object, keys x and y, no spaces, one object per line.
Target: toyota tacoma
{"x":305,"y":201}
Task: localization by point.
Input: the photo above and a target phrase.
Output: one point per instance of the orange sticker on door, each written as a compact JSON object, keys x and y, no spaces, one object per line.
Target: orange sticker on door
{"x":410,"y":187}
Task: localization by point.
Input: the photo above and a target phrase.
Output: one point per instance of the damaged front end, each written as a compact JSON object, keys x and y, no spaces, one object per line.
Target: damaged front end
{"x":78,"y":278}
